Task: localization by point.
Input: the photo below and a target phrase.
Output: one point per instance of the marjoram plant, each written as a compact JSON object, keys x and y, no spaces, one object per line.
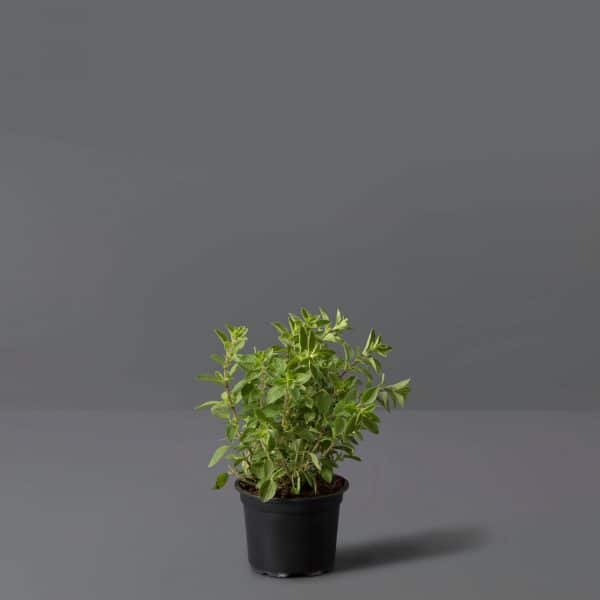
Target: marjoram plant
{"x":295,"y":410}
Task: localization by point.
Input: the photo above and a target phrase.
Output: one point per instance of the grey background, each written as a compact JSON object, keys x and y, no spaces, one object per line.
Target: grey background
{"x":431,"y":167}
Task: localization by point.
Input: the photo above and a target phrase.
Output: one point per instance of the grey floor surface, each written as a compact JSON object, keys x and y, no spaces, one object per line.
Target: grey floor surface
{"x":482,"y":505}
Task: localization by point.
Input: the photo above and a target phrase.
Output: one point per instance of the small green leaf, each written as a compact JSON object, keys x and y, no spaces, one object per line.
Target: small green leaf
{"x":218,"y":359}
{"x":303,"y":339}
{"x":296,"y":483}
{"x":220,"y":481}
{"x":279,"y":327}
{"x":369,"y":341}
{"x":369,"y":395}
{"x":349,"y":427}
{"x":267,"y":490}
{"x":222,"y":336}
{"x":401,"y":385}
{"x":239,"y":386}
{"x":323,"y":314}
{"x":303,"y":377}
{"x":274,"y":393}
{"x":375,"y":364}
{"x":354,"y":457}
{"x":315,"y":460}
{"x":322,"y":401}
{"x":327,"y":474}
{"x":268,"y":468}
{"x":311,"y":480}
{"x":371,"y":424}
{"x":231,"y":431}
{"x":398,"y":398}
{"x":383,"y":349}
{"x":271,"y":412}
{"x":206,"y":404}
{"x":258,"y":469}
{"x":220,"y":410}
{"x":384,"y":400}
{"x":208,"y":377}
{"x":218,"y":455}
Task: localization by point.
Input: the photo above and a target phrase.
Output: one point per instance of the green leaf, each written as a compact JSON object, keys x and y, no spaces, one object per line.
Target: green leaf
{"x":371,"y":424}
{"x":270,"y":440}
{"x":303,"y":339}
{"x":231,"y":431}
{"x":401,"y":385}
{"x":309,"y":416}
{"x":398,"y":398}
{"x":220,"y":481}
{"x":258,"y":469}
{"x":369,"y":341}
{"x":339,"y":424}
{"x":354,"y":457}
{"x":383,"y":399}
{"x":292,"y":320}
{"x":274,"y":393}
{"x":208,"y":377}
{"x":327,"y":474}
{"x":349,"y":427}
{"x":267,"y":490}
{"x":322,"y":401}
{"x":383,"y":349}
{"x":369,"y":395}
{"x":315,"y":460}
{"x":296,"y":483}
{"x":239,"y":386}
{"x":206,"y":404}
{"x":311,"y":480}
{"x":218,"y":455}
{"x":271,"y":412}
{"x":375,"y":364}
{"x":218,"y":359}
{"x":268,"y":469}
{"x":220,"y":410}
{"x":222,"y":336}
{"x":302,"y":377}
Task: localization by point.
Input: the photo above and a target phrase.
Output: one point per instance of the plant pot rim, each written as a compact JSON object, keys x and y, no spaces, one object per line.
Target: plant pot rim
{"x":294,"y":499}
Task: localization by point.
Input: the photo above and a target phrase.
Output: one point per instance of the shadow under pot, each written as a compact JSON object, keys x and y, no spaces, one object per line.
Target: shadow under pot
{"x":290,"y":537}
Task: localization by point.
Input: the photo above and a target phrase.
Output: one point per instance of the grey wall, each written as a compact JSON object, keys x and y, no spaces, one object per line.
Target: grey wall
{"x":432,"y":167}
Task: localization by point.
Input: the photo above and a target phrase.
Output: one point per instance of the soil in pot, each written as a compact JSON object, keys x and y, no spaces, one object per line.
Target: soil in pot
{"x":323,"y":487}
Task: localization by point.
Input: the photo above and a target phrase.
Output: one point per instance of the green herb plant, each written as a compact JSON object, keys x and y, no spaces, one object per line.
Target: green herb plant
{"x":295,"y":410}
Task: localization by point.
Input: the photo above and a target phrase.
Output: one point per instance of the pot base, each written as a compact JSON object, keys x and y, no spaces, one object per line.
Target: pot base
{"x":287,"y":575}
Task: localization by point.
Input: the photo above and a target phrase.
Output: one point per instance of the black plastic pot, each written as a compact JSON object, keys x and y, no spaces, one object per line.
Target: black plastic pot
{"x":292,"y":536}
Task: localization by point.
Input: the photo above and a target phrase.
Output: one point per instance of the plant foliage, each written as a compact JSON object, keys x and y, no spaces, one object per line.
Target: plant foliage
{"x":295,"y":410}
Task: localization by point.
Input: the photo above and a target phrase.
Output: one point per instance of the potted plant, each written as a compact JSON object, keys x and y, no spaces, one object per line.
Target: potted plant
{"x":293,"y":412}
